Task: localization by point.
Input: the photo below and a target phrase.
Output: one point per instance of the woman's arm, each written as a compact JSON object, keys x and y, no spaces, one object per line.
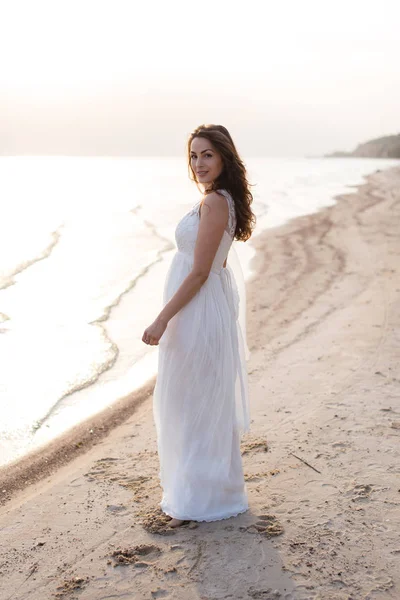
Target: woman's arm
{"x":213,"y":220}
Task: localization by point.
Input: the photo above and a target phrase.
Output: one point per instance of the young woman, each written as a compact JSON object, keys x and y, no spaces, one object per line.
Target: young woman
{"x":200,"y":402}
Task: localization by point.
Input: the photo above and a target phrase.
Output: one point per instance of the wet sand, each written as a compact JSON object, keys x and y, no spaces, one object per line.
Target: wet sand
{"x":80,"y":519}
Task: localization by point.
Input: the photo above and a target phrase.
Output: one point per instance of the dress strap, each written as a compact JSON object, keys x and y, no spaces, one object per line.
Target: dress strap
{"x":231,"y":227}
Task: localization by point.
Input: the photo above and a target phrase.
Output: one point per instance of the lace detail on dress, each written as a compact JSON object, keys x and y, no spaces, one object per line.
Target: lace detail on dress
{"x":186,"y":231}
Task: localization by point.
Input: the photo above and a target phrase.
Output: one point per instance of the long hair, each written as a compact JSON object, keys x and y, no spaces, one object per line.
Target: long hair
{"x":232,"y":177}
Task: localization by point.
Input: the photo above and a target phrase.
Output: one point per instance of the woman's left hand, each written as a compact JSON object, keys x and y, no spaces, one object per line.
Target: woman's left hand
{"x":153,"y":333}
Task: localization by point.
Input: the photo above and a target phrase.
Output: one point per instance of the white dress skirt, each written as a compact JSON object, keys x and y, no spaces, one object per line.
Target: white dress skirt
{"x":200,"y":402}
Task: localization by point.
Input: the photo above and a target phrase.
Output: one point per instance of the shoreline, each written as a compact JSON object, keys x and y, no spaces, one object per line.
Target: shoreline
{"x":59,"y":451}
{"x":321,"y":458}
{"x":65,"y":447}
{"x":99,"y":391}
{"x":45,"y":460}
{"x":37,"y":464}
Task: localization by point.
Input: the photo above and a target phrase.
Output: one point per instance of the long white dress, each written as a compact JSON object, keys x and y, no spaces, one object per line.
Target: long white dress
{"x":200,"y":401}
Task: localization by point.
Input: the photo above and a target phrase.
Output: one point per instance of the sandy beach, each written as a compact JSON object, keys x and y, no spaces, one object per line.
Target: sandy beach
{"x":80,"y":518}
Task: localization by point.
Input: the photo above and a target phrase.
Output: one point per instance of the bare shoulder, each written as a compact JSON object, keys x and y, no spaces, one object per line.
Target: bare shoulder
{"x":216,"y":203}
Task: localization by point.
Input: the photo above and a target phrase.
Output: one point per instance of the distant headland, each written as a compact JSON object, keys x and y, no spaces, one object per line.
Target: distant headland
{"x":383,"y":147}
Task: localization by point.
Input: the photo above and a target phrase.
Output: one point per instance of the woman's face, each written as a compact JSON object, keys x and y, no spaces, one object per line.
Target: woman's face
{"x":206,"y":162}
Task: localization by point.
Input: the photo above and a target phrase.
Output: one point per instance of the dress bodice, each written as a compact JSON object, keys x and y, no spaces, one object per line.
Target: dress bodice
{"x":187,"y":229}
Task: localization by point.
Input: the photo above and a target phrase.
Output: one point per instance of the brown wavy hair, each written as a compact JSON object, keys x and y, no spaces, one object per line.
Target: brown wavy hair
{"x":232,"y":178}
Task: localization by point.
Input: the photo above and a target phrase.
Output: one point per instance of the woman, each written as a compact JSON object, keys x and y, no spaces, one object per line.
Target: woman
{"x":200,"y":400}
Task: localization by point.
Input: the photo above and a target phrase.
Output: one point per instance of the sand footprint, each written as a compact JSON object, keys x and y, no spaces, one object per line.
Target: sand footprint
{"x":267,"y":525}
{"x":71,"y":585}
{"x":101,"y":468}
{"x":154,"y":520}
{"x":159,"y":593}
{"x":135,"y":555}
{"x":360,"y":492}
{"x":139,"y":486}
{"x":118,"y":471}
{"x":116,"y":508}
{"x":342,"y":445}
{"x":260,"y":475}
{"x":268,"y":594}
{"x":257,"y":444}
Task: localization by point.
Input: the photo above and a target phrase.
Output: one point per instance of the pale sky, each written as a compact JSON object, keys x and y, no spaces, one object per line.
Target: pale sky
{"x":134,"y":77}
